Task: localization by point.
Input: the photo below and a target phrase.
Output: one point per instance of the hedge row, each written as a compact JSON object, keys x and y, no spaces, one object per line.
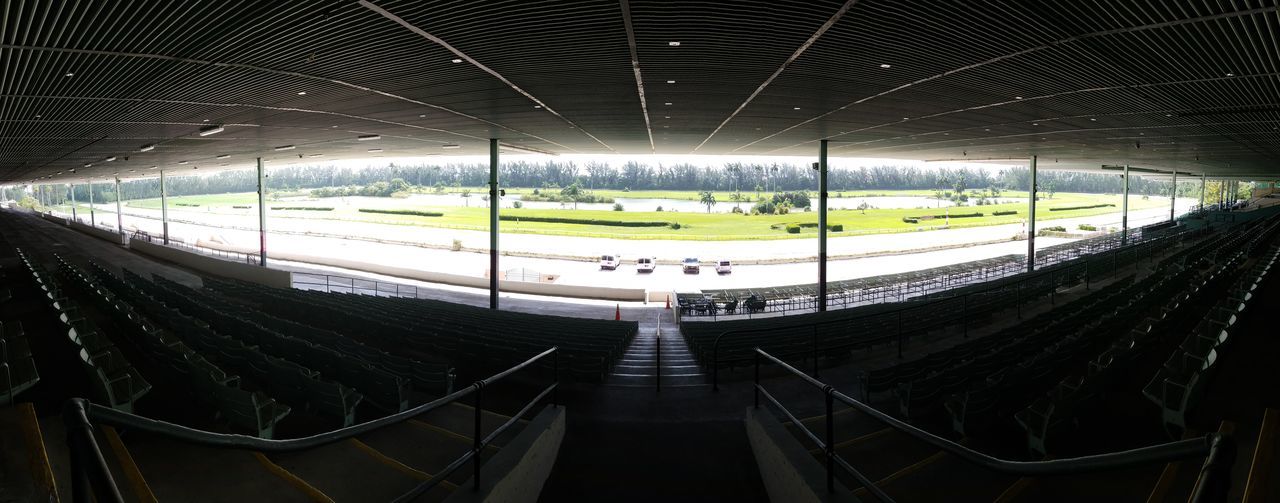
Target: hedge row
{"x":955,"y":215}
{"x":1081,"y":207}
{"x":404,"y":212}
{"x":806,"y":225}
{"x":588,"y":221}
{"x":242,"y":207}
{"x":302,"y":208}
{"x":1003,"y":213}
{"x":185,"y":204}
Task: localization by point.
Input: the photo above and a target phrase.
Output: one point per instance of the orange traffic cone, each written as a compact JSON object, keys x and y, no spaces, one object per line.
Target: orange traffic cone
{"x":617,"y":313}
{"x":668,"y":302}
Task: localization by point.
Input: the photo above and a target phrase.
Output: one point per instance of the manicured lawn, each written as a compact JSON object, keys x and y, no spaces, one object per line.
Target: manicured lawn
{"x":693,"y":225}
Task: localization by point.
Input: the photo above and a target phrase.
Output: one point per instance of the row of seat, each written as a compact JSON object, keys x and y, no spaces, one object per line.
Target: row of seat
{"x":207,"y":382}
{"x":1180,"y":383}
{"x":476,"y":338}
{"x":18,"y":371}
{"x":115,"y":382}
{"x":1056,"y":411}
{"x":386,"y":390}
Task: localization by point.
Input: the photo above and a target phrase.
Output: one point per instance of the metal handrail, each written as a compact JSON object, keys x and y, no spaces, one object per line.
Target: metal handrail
{"x":1061,"y":267}
{"x":1215,"y":447}
{"x":90,"y":473}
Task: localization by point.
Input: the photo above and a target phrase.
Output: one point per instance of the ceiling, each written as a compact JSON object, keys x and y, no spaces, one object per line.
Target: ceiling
{"x":1186,"y":85}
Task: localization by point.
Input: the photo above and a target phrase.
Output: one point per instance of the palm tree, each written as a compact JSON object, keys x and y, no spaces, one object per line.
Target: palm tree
{"x":708,"y":199}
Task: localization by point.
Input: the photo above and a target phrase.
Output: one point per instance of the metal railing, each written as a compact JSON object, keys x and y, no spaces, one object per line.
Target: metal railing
{"x":233,"y":256}
{"x":91,"y":479}
{"x":1217,"y":448}
{"x":347,"y":284}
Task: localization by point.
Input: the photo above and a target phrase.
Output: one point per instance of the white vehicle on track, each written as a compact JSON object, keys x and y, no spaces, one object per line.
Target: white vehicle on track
{"x":691,"y":266}
{"x":724,"y":267}
{"x":610,"y":262}
{"x":646,"y":264}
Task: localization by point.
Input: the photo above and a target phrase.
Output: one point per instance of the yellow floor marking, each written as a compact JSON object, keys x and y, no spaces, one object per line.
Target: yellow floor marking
{"x":139,"y":483}
{"x":297,"y":482}
{"x":401,"y":467}
{"x":37,"y":456}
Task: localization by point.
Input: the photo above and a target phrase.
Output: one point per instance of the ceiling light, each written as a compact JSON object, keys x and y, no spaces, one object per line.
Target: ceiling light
{"x":368,"y":137}
{"x":1091,"y":119}
{"x":69,"y":74}
{"x":206,"y":120}
{"x":1035,"y":123}
{"x":1017,"y":97}
{"x":182,"y":162}
{"x":88,"y":165}
{"x":302,"y":93}
{"x":285,"y":147}
{"x":1168,"y":115}
{"x":885,"y":65}
{"x":147,"y":148}
{"x":315,"y":155}
{"x":667,"y":103}
{"x":211,"y":130}
{"x":671,"y":82}
{"x":456,"y":60}
{"x":673,"y":44}
{"x":132,"y":170}
{"x":1231,"y":75}
{"x":109,"y":159}
{"x":38,"y":116}
{"x":375,"y":150}
{"x":451,"y":145}
{"x":421,"y":115}
{"x":666,"y":117}
{"x":225,"y":156}
{"x":153,"y":167}
{"x":537,"y":106}
{"x":906,"y":118}
{"x":795,"y":108}
{"x":73,"y":170}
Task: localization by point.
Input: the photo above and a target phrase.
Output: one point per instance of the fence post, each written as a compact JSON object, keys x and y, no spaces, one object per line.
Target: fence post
{"x":830,"y":447}
{"x":476,"y":447}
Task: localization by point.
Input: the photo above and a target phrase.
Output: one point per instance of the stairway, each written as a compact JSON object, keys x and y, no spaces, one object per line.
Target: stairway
{"x":638,"y":367}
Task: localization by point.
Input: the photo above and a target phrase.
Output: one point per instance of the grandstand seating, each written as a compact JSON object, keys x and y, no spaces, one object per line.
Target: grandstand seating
{"x":17,"y":366}
{"x":477,"y":339}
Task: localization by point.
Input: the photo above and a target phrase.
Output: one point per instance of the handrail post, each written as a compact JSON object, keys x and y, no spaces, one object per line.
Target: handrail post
{"x":477,"y":439}
{"x":657,"y":367}
{"x":757,"y":386}
{"x":91,"y":480}
{"x":831,"y":446}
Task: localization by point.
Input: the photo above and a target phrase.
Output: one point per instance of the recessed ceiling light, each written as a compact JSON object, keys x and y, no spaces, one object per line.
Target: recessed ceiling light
{"x":132,"y":170}
{"x":667,"y":103}
{"x":673,"y":44}
{"x":451,"y":146}
{"x":885,"y":65}
{"x":666,"y":117}
{"x":666,"y":126}
{"x":988,"y":129}
{"x":211,"y":130}
{"x":302,"y":93}
{"x":375,"y":150}
{"x":1231,"y":75}
{"x":1017,"y":97}
{"x":153,"y":167}
{"x":1091,"y":119}
{"x":285,"y":147}
{"x":1168,"y":115}
{"x":109,"y":159}
{"x":906,"y":118}
{"x":421,"y":115}
{"x":537,"y":106}
{"x":456,"y":60}
{"x":38,"y":116}
{"x":182,"y":162}
{"x":147,"y":148}
{"x":88,"y":165}
{"x":368,"y":137}
{"x":671,"y":82}
{"x":69,"y":74}
{"x":205,"y":120}
{"x":795,"y":108}
{"x":1035,"y":123}
{"x":73,"y":170}
{"x":315,"y":155}
{"x":225,"y":156}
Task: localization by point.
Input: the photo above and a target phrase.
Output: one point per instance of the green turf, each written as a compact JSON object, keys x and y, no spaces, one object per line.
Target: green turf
{"x":693,"y":225}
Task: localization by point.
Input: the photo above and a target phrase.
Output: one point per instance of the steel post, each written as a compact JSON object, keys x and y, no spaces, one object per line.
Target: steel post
{"x":1031,"y":220}
{"x":493,"y":223}
{"x":822,"y":225}
{"x":262,"y":215}
{"x":164,"y":207}
{"x":1124,"y":210}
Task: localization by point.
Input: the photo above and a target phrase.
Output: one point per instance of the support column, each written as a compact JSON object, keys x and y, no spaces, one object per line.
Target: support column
{"x":822,"y":225}
{"x":1124,"y":210}
{"x":1173,"y":197}
{"x":119,"y":214}
{"x":93,"y":220}
{"x":164,"y":207}
{"x":1031,"y":219}
{"x":493,"y":223}
{"x":1203,"y":183}
{"x":262,"y":216}
{"x":72,"y":187}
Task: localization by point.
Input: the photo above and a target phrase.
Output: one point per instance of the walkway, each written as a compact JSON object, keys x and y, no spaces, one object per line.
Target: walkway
{"x":639,"y":366}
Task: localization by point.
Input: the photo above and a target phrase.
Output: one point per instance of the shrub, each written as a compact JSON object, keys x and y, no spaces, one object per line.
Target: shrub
{"x":793,"y":229}
{"x":517,"y":205}
{"x":675,"y":225}
{"x":403,"y":212}
{"x":186,"y":204}
{"x":1068,"y":208}
{"x":585,"y":221}
{"x":1056,"y":228}
{"x":302,"y":208}
{"x":910,"y":220}
{"x":659,"y":209}
{"x":837,"y":228}
{"x":617,"y":206}
{"x":242,"y":207}
{"x":736,"y":209}
{"x":457,"y":245}
{"x":1002,"y":213}
{"x":1087,"y":227}
{"x":953,"y":215}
